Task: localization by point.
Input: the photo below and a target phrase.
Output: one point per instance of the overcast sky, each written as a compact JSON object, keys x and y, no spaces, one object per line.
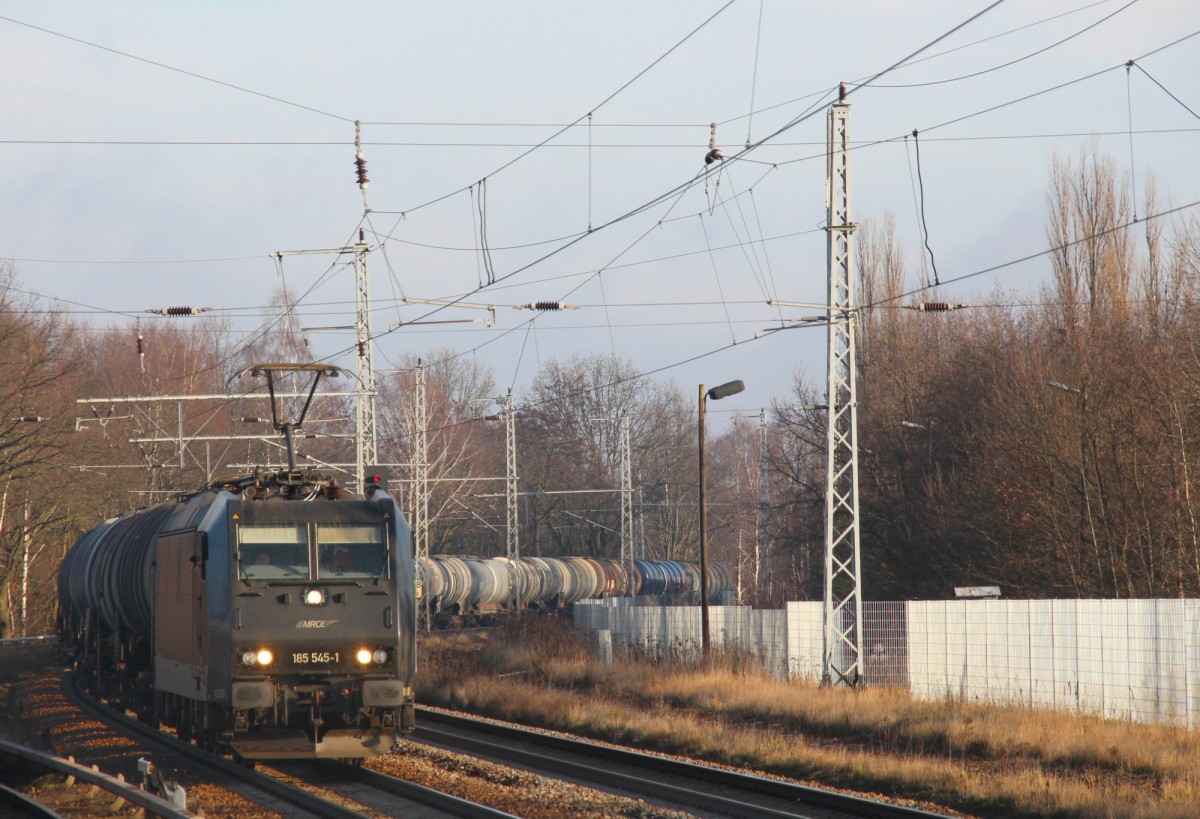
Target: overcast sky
{"x":157,"y":154}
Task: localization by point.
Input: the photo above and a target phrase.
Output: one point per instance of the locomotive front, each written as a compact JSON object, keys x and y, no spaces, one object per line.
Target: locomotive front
{"x":296,"y":619}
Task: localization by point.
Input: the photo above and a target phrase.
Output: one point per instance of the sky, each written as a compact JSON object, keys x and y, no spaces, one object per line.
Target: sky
{"x":158,"y":154}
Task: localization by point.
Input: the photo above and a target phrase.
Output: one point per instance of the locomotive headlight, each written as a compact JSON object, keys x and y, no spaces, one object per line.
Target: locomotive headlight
{"x":264,"y":656}
{"x":314,"y":597}
{"x":363,"y":655}
{"x":249,"y":658}
{"x":380,"y":656}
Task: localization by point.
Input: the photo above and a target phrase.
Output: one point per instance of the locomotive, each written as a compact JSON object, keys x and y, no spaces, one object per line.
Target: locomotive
{"x":272,"y":615}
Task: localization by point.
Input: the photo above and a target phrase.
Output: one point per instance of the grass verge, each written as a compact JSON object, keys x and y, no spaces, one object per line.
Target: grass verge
{"x":968,"y":756}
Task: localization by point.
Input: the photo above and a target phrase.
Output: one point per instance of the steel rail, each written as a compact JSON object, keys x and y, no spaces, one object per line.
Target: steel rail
{"x":801,"y":797}
{"x":117,"y":786}
{"x":259,"y":788}
{"x":338,"y":774}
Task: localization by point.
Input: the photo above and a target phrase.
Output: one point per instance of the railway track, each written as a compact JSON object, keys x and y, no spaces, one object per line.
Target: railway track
{"x":80,"y":787}
{"x":38,"y":713}
{"x":344,"y":790}
{"x":699,"y":789}
{"x":363,"y":789}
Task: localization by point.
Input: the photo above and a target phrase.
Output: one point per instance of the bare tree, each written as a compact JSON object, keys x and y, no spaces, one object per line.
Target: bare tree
{"x":570,"y":433}
{"x":459,"y":455}
{"x":33,"y":428}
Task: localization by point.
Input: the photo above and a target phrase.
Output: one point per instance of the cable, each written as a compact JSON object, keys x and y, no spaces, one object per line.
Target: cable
{"x":683,"y":187}
{"x":680,"y":146}
{"x":589,"y":227}
{"x":924,"y":224}
{"x":1032,"y":256}
{"x":890,"y":68}
{"x":484,"y":253}
{"x":1060,"y":86}
{"x":717,"y":277}
{"x":930,"y":57}
{"x":1132,"y":164}
{"x":474,"y":235}
{"x":1160,"y":85}
{"x":912,"y":182}
{"x":591,"y":110}
{"x":754,"y":79}
{"x":178,"y":70}
{"x":1018,"y":60}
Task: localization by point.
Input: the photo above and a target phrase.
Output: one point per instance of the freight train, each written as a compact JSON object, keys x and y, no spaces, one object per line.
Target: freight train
{"x":270,"y":615}
{"x":472,"y":585}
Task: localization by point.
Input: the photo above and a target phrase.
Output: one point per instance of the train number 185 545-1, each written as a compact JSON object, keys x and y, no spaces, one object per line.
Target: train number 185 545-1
{"x":303,"y":657}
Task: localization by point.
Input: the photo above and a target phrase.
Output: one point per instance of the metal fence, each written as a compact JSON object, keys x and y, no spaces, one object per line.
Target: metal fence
{"x":1124,"y":659}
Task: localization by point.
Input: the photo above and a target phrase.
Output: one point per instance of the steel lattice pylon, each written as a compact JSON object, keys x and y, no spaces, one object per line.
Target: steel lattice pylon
{"x":510,"y":494}
{"x":365,"y":452}
{"x":421,"y":484}
{"x":843,"y":603}
{"x":626,"y":497}
{"x":762,"y":562}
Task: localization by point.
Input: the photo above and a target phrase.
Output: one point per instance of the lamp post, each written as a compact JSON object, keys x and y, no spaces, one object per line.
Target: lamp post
{"x":1085,"y":501}
{"x":716,"y":394}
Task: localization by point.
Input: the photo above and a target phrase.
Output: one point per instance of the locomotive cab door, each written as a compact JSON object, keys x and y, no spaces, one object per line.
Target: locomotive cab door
{"x":181,"y":614}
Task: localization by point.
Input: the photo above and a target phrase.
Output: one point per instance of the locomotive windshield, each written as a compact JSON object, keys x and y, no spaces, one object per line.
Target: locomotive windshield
{"x":350,"y":551}
{"x":272,"y":552}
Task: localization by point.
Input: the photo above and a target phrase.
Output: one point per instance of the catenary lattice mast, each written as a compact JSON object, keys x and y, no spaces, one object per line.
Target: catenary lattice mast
{"x":843,"y":603}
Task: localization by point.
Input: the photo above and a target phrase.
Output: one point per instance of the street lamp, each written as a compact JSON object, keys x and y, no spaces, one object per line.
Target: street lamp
{"x":928,"y":430}
{"x":716,"y":393}
{"x":1085,"y":501}
{"x":1058,"y":385}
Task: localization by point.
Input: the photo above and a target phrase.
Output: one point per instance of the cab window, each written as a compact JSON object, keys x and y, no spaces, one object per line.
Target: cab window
{"x":351,"y":551}
{"x":273,"y":552}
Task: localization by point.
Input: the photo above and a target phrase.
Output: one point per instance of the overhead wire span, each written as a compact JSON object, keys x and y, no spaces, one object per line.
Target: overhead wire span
{"x":751,"y":255}
{"x":754,"y":77}
{"x":934,"y":56}
{"x":681,"y":188}
{"x":1013,"y":62}
{"x":1002,"y":105}
{"x":591,"y":110}
{"x":192,"y":74}
{"x":871,"y":80}
{"x":1182,"y":105}
{"x":1057,"y":248}
{"x":882,"y":302}
{"x":717,"y":276}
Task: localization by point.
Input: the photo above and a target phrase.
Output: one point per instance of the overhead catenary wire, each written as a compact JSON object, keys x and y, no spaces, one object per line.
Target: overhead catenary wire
{"x":679,"y":189}
{"x":591,"y":109}
{"x":185,"y":72}
{"x":926,"y":58}
{"x":754,"y":76}
{"x":709,"y":251}
{"x":1182,"y":104}
{"x":1053,"y":45}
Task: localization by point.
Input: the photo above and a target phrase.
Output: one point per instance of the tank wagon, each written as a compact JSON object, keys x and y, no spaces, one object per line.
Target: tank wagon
{"x":270,"y":615}
{"x":473,"y":585}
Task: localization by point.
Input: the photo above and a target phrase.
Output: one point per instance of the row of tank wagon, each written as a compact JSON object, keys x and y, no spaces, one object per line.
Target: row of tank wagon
{"x":461,"y":584}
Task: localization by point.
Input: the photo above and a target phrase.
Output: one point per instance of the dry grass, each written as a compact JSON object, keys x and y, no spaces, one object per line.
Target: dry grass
{"x":981,"y":759}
